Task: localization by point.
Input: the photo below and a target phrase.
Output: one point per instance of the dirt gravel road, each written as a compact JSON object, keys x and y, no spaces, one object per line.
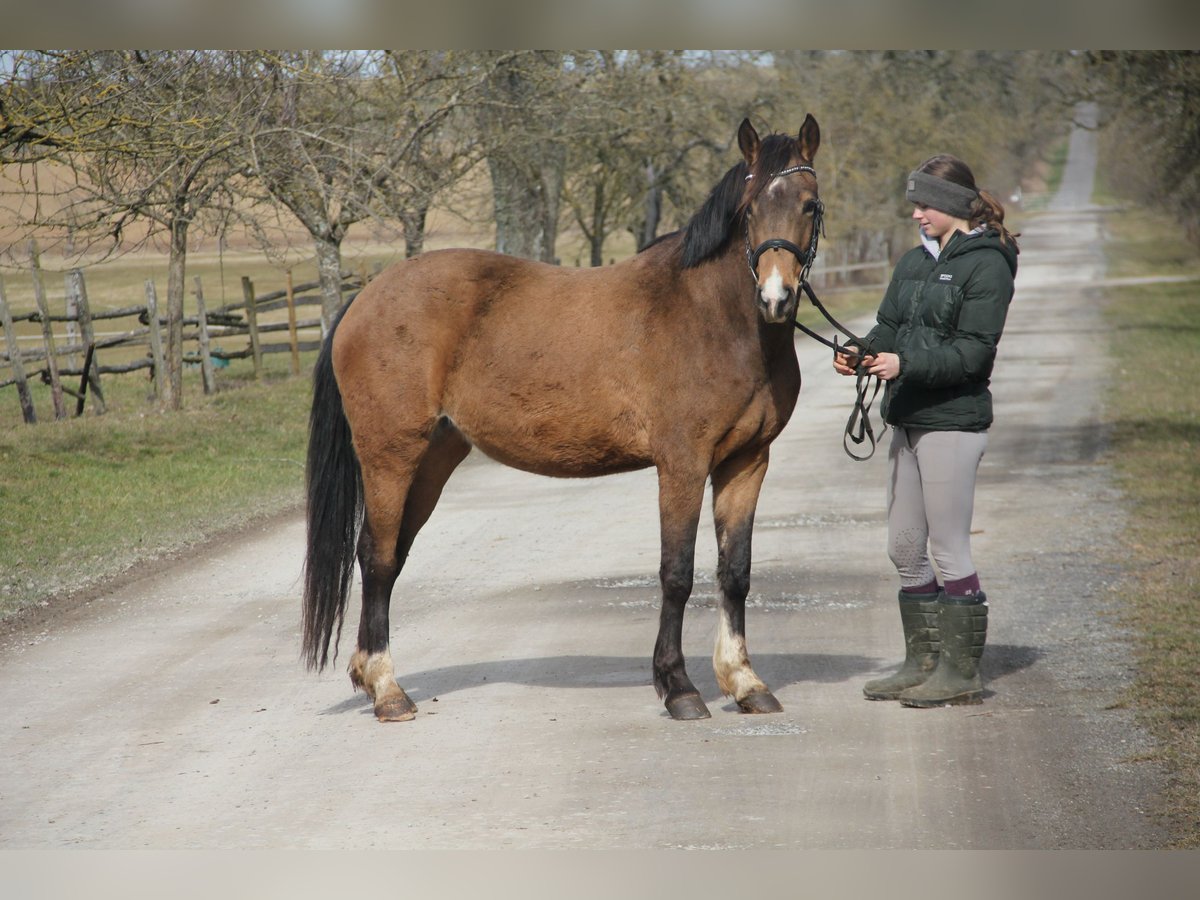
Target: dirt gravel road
{"x":173,"y":712}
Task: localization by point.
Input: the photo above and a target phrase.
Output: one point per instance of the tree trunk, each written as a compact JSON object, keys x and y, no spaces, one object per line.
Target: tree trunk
{"x":597,"y":232}
{"x":414,"y":230}
{"x":329,"y":273}
{"x":552,"y":175}
{"x":173,"y":383}
{"x":527,"y":165}
{"x":520,"y":222}
{"x":652,"y":208}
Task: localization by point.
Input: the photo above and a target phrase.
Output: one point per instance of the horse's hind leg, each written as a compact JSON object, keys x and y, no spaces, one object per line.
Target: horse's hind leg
{"x":385,"y":487}
{"x":736,"y":484}
{"x":397,"y":508}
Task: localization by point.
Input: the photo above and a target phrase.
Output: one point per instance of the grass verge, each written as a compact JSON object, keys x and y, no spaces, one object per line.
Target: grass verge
{"x":1154,"y":412}
{"x":85,"y":499}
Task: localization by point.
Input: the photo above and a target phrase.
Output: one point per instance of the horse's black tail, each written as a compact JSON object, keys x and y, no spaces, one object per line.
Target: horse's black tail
{"x":333,"y":483}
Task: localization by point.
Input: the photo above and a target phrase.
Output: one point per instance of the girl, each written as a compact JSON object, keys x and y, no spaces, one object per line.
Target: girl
{"x":933,"y":345}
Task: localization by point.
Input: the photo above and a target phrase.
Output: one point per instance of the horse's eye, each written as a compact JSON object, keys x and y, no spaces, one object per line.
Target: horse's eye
{"x":810,"y":207}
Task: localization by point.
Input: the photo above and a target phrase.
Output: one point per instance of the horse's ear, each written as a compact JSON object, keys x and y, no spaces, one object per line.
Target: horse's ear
{"x":810,"y":137}
{"x":748,"y":141}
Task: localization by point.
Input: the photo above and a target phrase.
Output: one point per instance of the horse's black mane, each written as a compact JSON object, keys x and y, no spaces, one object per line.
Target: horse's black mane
{"x":658,"y":240}
{"x":716,"y":221}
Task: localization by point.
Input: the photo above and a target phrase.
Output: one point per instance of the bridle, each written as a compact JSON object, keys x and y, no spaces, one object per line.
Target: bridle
{"x":858,"y":426}
{"x":804,"y":257}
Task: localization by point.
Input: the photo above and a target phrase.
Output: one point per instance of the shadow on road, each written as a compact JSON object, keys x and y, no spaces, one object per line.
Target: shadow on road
{"x":779,"y":670}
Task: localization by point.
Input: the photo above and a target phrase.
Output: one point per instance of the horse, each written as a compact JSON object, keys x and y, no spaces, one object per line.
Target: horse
{"x":681,"y":357}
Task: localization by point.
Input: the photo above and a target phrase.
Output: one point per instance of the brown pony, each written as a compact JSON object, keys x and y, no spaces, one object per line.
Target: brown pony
{"x":681,"y":358}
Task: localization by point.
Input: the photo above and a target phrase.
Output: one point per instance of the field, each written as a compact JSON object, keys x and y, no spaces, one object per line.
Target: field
{"x":1154,"y":413}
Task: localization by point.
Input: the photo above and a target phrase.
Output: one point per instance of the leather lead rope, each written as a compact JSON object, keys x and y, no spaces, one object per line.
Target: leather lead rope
{"x":861,"y":416}
{"x":858,"y":426}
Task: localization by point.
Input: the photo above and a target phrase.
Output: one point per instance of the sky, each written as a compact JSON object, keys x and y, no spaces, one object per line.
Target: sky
{"x":642,"y":24}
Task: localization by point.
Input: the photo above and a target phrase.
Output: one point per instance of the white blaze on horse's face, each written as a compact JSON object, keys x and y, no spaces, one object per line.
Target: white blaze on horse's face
{"x":776,"y":296}
{"x":774,"y":292}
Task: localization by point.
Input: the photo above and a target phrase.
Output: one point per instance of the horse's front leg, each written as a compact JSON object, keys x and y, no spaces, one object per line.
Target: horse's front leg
{"x":736,"y":484}
{"x":680,"y":498}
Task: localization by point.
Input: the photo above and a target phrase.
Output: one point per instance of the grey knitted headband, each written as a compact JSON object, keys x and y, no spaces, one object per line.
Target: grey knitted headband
{"x":951,"y":198}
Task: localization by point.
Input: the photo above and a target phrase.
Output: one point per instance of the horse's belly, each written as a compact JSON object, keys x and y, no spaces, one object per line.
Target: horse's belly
{"x":546,"y":448}
{"x":551,"y":430}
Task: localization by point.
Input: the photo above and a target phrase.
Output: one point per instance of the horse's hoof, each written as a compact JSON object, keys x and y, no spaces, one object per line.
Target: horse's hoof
{"x":760,"y":702}
{"x":687,"y":707}
{"x":395,"y":708}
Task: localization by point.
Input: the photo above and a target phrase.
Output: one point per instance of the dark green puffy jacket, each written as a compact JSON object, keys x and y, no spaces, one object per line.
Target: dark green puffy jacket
{"x":943,"y":317}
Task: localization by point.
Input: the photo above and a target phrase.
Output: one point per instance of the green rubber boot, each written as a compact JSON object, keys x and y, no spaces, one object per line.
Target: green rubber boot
{"x":962,"y":623}
{"x":918,"y":616}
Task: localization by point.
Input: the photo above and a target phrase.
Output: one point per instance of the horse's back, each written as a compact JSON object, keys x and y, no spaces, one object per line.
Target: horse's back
{"x":542,"y":367}
{"x":556,"y":370}
{"x":464,"y":288}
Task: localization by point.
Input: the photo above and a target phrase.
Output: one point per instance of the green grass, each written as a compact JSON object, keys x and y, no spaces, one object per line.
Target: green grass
{"x":85,"y":499}
{"x":1154,"y":411}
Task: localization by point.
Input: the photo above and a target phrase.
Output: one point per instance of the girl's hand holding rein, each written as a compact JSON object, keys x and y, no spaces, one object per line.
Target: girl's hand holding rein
{"x":884,"y":365}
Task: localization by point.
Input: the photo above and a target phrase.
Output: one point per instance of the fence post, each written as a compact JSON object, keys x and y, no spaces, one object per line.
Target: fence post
{"x":81,"y":397}
{"x":14,"y":357}
{"x":292,"y":338}
{"x":252,"y":321}
{"x":77,"y":290}
{"x":39,"y":296}
{"x":72,"y":324}
{"x":156,"y":350}
{"x":206,"y":366}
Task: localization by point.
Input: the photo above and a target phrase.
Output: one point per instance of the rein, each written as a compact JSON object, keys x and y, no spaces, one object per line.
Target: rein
{"x":858,"y":426}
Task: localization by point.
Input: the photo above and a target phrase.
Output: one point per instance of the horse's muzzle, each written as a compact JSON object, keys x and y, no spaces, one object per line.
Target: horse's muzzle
{"x":778,"y":306}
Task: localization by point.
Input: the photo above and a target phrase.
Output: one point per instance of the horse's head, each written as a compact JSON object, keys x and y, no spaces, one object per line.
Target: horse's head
{"x":782,"y":213}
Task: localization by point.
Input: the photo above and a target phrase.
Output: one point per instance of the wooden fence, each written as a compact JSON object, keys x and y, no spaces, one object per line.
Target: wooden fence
{"x":832,"y":279}
{"x":80,"y":355}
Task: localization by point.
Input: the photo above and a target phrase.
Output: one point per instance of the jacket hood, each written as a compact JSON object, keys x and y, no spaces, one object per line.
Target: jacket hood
{"x":989,"y":239}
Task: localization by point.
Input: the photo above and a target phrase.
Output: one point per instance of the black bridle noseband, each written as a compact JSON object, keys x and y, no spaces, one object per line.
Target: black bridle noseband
{"x":858,"y":426}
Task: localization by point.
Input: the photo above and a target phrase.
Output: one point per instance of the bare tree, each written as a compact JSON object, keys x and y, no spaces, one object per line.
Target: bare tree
{"x":149,"y":140}
{"x":883,"y":112}
{"x":349,"y":136}
{"x":1152,"y":102}
{"x":644,"y":137}
{"x":427,"y":99}
{"x":524,"y":119}
{"x":29,"y":125}
{"x":308,"y":154}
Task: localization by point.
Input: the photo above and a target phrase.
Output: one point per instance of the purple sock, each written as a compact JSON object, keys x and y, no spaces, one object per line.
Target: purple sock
{"x":963,"y":587}
{"x":931,"y":588}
